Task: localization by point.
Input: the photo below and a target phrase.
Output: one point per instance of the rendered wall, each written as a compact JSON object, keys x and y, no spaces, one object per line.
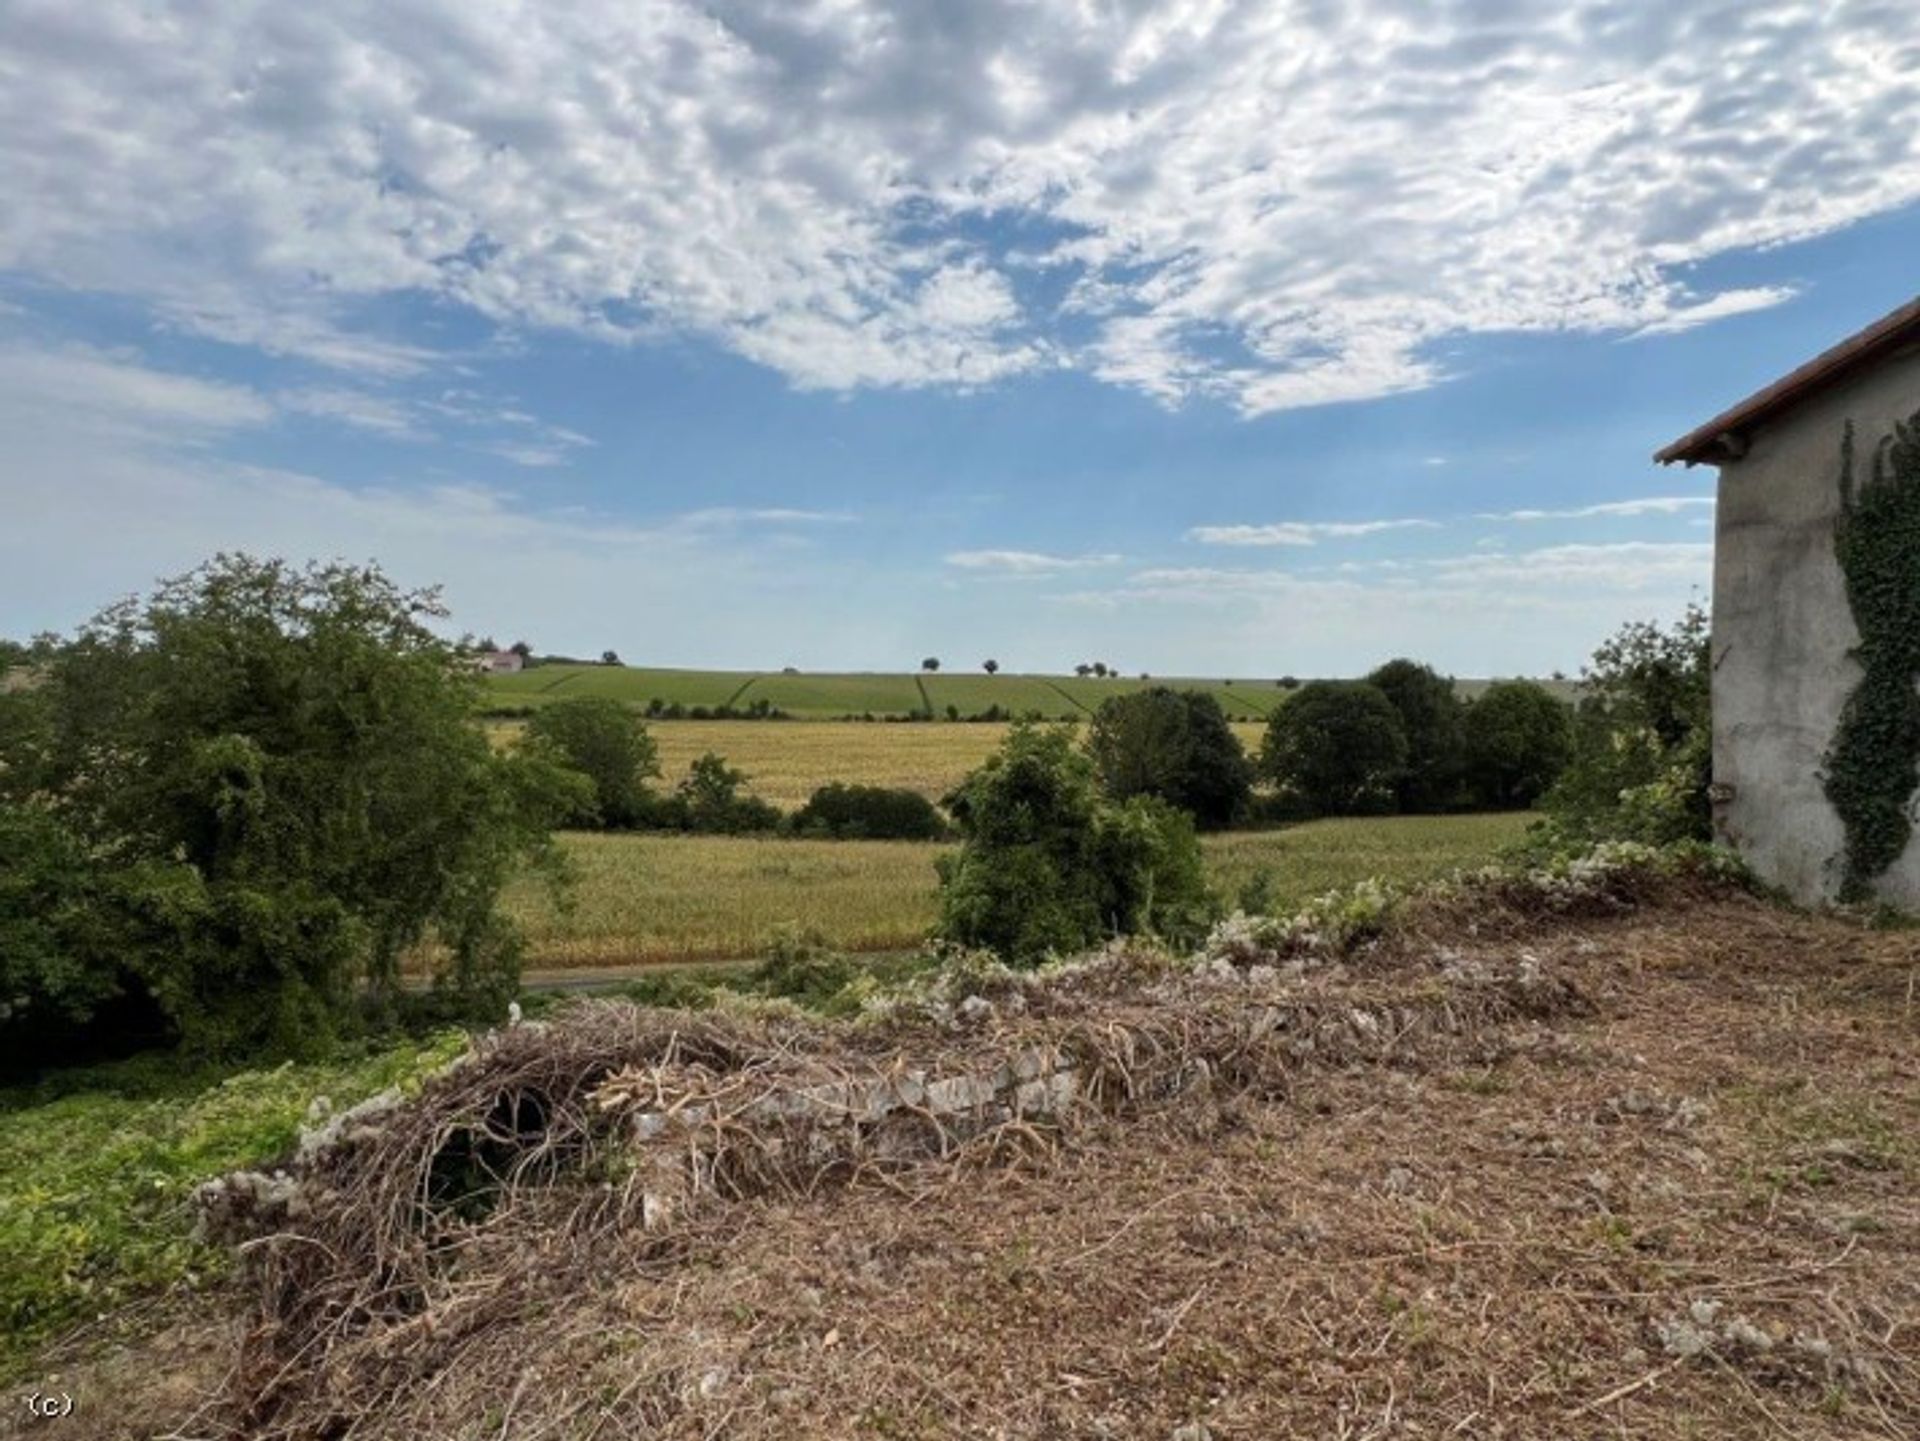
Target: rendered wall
{"x":1782,"y":633}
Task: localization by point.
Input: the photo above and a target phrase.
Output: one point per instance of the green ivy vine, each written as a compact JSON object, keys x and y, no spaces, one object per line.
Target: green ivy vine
{"x":1873,"y":767}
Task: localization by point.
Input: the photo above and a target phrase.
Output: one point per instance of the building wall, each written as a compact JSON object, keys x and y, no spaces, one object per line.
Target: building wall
{"x":1782,"y":633}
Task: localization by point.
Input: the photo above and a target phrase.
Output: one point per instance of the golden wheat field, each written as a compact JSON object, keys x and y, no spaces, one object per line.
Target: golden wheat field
{"x":786,"y":761}
{"x":643,"y":899}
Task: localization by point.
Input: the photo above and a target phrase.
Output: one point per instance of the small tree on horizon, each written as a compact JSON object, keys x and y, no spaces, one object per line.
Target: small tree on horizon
{"x":930,"y":664}
{"x":991,"y":667}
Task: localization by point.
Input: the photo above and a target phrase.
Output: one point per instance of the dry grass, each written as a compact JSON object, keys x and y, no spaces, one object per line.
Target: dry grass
{"x":642,"y":899}
{"x":787,"y":761}
{"x":648,"y":898}
{"x":1492,"y":1228}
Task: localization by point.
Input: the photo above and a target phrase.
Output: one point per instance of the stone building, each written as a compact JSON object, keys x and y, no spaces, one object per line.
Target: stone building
{"x":1816,"y":619}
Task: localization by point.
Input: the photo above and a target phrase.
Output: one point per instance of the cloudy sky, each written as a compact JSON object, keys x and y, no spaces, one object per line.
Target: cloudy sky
{"x":1199,"y":336}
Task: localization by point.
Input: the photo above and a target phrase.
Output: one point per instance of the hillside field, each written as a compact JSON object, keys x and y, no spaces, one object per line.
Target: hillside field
{"x":828,"y":696}
{"x":646,"y":899}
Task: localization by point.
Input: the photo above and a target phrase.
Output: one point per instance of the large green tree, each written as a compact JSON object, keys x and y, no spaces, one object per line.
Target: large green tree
{"x":260,"y":787}
{"x":1430,"y":716}
{"x":1339,"y":746}
{"x":608,"y":744}
{"x":1519,"y":738}
{"x":1048,"y":866}
{"x":1176,"y":745}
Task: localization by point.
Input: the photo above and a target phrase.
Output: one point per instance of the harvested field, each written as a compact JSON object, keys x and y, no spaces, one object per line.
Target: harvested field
{"x":1634,"y":1157}
{"x":787,"y":761}
{"x":645,"y":899}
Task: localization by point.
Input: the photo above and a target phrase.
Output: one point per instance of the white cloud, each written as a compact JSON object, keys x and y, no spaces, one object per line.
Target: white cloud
{"x":357,"y":408}
{"x":1719,"y":307}
{"x":1026,"y":562}
{"x":1299,"y":532}
{"x":114,"y":396}
{"x":88,"y":439}
{"x":1275,"y":205}
{"x":1649,"y":505}
{"x":719,"y":516}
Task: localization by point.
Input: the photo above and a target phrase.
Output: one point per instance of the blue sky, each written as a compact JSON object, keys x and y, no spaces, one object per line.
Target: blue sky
{"x":1208,"y":338}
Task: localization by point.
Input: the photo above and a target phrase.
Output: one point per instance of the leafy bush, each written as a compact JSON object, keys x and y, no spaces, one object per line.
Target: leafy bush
{"x":1339,"y":745}
{"x":880,"y":813}
{"x":1048,"y":866}
{"x":801,"y":967}
{"x":609,"y":745}
{"x":1519,"y":736}
{"x":709,"y":802}
{"x":1642,"y":741}
{"x":96,"y":1171}
{"x":250,"y":794}
{"x":1430,"y":715}
{"x":1176,"y":745}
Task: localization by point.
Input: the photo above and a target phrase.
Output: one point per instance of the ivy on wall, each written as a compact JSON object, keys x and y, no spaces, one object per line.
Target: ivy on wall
{"x":1873,"y":767}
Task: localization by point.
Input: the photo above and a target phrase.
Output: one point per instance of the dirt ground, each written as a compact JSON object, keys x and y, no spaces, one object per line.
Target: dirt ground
{"x":1688,"y":1211}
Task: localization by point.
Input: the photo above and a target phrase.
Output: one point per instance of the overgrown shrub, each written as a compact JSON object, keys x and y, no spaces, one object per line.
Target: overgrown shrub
{"x":801,"y":967}
{"x":1048,"y":866}
{"x":1176,"y":745}
{"x":256,"y":790}
{"x":1642,"y":755}
{"x":1337,"y":745}
{"x":608,"y":744}
{"x":880,"y":813}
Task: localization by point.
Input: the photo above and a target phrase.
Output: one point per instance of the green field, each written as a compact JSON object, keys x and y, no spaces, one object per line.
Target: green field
{"x":828,"y":696}
{"x":643,"y":899}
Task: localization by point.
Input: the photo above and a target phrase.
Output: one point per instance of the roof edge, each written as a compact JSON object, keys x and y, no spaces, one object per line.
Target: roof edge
{"x":1724,"y":437}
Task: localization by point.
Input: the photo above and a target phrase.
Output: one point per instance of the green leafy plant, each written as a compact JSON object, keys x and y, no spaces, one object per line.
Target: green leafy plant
{"x":1873,"y":767}
{"x":1642,"y":741}
{"x":1518,"y":738}
{"x":608,"y":744}
{"x":881,"y":813}
{"x":1339,"y":746}
{"x":1176,"y":745}
{"x":1430,"y":714}
{"x":1047,"y":866}
{"x":257,"y":789}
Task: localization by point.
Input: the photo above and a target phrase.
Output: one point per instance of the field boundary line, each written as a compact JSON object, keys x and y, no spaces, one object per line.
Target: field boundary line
{"x":926,"y":701}
{"x":1066,"y":695}
{"x":558,"y":681}
{"x":744,"y":686}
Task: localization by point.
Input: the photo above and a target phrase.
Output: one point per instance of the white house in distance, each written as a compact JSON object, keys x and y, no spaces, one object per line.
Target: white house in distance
{"x":499,"y":662}
{"x":1816,"y":619}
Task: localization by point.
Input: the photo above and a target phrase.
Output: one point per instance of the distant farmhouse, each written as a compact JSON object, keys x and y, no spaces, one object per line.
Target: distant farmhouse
{"x":1816,"y":619}
{"x":499,"y":662}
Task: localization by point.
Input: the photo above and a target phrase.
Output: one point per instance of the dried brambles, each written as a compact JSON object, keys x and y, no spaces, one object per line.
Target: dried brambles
{"x":1873,"y":767}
